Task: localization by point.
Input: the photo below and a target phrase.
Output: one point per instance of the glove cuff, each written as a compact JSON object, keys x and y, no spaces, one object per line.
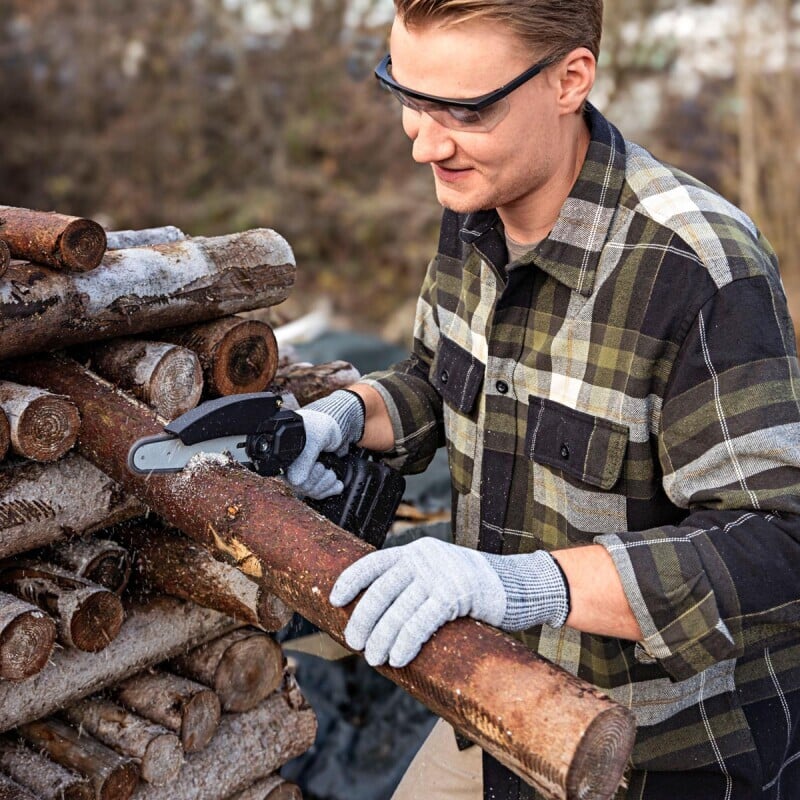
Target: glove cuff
{"x":348,"y":411}
{"x":536,"y":590}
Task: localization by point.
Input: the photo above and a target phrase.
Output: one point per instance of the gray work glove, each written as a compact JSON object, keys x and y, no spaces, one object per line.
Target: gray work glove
{"x":332,"y":424}
{"x":414,"y":589}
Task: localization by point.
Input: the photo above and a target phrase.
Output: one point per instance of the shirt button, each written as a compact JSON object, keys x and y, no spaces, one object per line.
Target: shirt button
{"x":444,"y":376}
{"x":564,"y":451}
{"x":502,"y":387}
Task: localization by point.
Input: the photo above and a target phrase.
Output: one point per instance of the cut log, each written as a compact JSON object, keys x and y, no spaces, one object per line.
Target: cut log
{"x":5,"y":257}
{"x":184,"y":707}
{"x":238,"y":355}
{"x":169,"y":562}
{"x":152,"y":633}
{"x":5,"y":434}
{"x":247,"y":747}
{"x":143,"y":289}
{"x":309,"y":382}
{"x":559,"y":733}
{"x":88,"y":616}
{"x":60,"y":241}
{"x":157,"y":750}
{"x":243,"y":667}
{"x":98,"y":560}
{"x":43,"y":776}
{"x":27,"y":637}
{"x":273,"y":787}
{"x":44,"y":426}
{"x":114,"y":777}
{"x":165,"y":376}
{"x":119,"y":240}
{"x":44,"y":503}
{"x":10,"y":790}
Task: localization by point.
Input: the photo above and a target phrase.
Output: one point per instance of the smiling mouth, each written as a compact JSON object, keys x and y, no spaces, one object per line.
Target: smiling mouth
{"x":450,"y":173}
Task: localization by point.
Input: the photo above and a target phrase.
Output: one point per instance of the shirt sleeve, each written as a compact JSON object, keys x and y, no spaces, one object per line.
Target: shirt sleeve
{"x":723,"y":582}
{"x":415,"y":407}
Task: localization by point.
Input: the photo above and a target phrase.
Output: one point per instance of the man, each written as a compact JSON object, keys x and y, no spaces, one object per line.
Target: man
{"x":603,"y":345}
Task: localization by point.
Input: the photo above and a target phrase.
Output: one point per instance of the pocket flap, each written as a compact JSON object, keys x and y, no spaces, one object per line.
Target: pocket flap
{"x":457,"y":375}
{"x":591,"y":449}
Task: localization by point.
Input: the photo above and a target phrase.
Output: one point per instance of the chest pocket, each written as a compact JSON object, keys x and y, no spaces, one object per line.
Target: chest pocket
{"x":587,"y":448}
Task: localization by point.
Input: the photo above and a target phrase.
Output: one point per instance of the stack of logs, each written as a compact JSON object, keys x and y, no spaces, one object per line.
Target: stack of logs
{"x":133,"y":661}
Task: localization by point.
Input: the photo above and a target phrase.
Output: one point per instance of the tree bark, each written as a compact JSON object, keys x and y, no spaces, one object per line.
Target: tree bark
{"x":273,"y":787}
{"x":44,"y":426}
{"x":143,"y":289}
{"x":27,"y":637}
{"x":57,"y":240}
{"x":10,"y":790}
{"x":167,"y":377}
{"x":243,"y":667}
{"x":88,"y":616}
{"x":113,"y":777}
{"x":182,"y":706}
{"x":238,"y":355}
{"x":157,"y":750}
{"x":44,"y":503}
{"x":146,"y":237}
{"x":557,"y":732}
{"x":169,"y":562}
{"x":97,"y":560}
{"x":43,"y":776}
{"x":247,"y":747}
{"x":309,"y":382}
{"x":151,"y":633}
{"x":5,"y":434}
{"x":5,"y":257}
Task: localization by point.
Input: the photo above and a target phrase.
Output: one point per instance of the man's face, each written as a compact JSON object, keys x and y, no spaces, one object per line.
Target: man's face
{"x":506,"y":167}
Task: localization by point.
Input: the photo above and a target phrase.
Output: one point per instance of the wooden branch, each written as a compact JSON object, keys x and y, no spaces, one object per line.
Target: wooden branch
{"x":273,"y":787}
{"x":10,"y":790}
{"x":143,"y":289}
{"x":5,"y":434}
{"x":167,"y":377}
{"x":559,"y":733}
{"x":60,"y":241}
{"x":309,"y":382}
{"x":88,"y":616}
{"x":152,"y":633}
{"x":169,"y":562}
{"x":247,"y":747}
{"x":182,"y":706}
{"x":27,"y":637}
{"x":5,"y":257}
{"x":157,"y":750}
{"x":243,"y":667}
{"x":113,"y":777}
{"x":44,"y":426}
{"x":146,"y":237}
{"x":97,"y":560}
{"x":43,"y":776}
{"x":238,"y":355}
{"x":44,"y":503}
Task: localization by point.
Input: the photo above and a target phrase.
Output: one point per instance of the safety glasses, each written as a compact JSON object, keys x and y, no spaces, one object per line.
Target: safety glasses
{"x":476,"y":114}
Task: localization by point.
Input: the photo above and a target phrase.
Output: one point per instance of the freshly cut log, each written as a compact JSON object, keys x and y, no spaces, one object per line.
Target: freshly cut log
{"x":165,"y":376}
{"x":184,"y":707}
{"x":5,"y":434}
{"x":157,"y":750}
{"x":27,"y":637}
{"x":10,"y":790}
{"x":243,"y":667}
{"x":273,"y":787}
{"x":89,"y":616}
{"x":114,"y":777}
{"x":559,"y":733}
{"x":238,"y":355}
{"x":309,"y":382}
{"x":247,"y":747}
{"x":100,"y":561}
{"x":44,"y":426}
{"x":44,"y":503}
{"x":119,"y":240}
{"x":169,"y":562}
{"x":5,"y":258}
{"x":143,"y":289}
{"x":58,"y":240}
{"x":151,"y":633}
{"x":43,"y":776}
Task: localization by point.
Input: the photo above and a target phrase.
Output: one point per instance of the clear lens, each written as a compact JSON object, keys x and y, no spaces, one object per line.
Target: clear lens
{"x":457,"y":117}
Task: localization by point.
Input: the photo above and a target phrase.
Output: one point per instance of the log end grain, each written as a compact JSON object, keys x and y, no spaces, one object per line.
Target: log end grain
{"x":26,"y":644}
{"x":120,"y":783}
{"x":47,"y":429}
{"x":201,"y":716}
{"x":273,"y":613}
{"x":97,"y":621}
{"x":163,"y":760}
{"x":249,"y":671}
{"x":245,"y":360}
{"x":177,"y":383}
{"x":82,"y":245}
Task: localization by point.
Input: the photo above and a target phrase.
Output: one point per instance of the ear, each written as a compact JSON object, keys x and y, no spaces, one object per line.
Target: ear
{"x":576,"y":77}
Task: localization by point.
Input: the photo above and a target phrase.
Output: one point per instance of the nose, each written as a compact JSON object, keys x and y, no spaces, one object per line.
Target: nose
{"x":431,"y":141}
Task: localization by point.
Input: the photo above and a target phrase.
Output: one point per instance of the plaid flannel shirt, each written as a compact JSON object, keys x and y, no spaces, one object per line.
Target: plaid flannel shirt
{"x":630,"y":381}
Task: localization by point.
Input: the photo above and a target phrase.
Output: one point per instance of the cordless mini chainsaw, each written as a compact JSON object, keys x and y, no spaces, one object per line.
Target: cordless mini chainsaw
{"x":255,"y":430}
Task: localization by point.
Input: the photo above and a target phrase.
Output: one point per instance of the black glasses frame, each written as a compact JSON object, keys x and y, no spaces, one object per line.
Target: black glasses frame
{"x":474,"y":103}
